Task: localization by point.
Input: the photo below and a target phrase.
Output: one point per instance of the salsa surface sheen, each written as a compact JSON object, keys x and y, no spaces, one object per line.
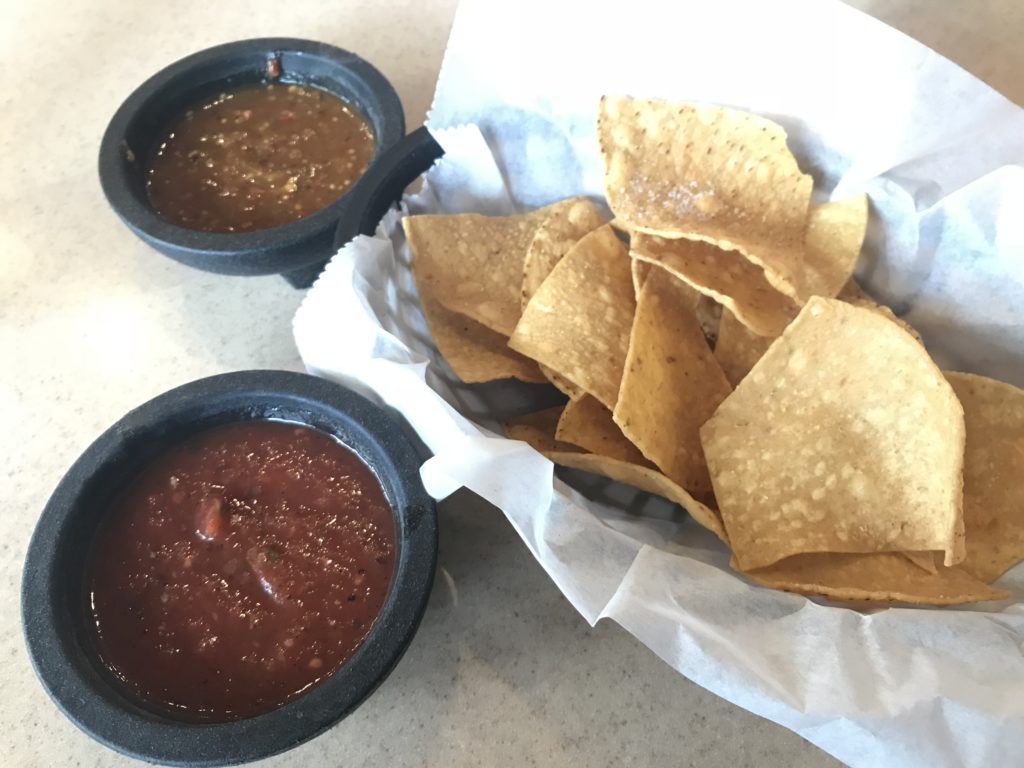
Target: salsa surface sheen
{"x":239,"y":569}
{"x":257,"y":157}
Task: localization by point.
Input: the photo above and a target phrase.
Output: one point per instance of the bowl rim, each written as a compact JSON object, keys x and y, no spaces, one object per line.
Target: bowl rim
{"x":219,"y":247}
{"x":109,"y":714}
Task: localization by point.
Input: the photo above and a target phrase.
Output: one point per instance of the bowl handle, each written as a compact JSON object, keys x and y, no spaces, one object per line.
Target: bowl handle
{"x":384,"y":182}
{"x":380,"y":187}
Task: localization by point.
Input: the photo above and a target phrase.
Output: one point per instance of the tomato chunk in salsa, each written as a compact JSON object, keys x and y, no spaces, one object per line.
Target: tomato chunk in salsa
{"x":240,"y":568}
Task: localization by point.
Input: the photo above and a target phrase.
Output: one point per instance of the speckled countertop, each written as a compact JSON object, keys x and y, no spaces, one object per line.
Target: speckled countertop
{"x":93,"y":323}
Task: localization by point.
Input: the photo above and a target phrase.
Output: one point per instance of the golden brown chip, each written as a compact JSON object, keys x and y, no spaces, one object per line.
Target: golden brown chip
{"x":639,"y":270}
{"x":710,"y":173}
{"x":538,"y":430}
{"x":620,"y":226}
{"x":726,"y":276}
{"x":474,"y":352}
{"x":885,"y":576}
{"x":568,"y":221}
{"x":644,"y":478}
{"x":835,"y":234}
{"x":473,"y":264}
{"x":738,"y":348}
{"x":855,"y":451}
{"x":561,"y":383}
{"x":887,"y":313}
{"x":703,"y":306}
{"x":709,"y":315}
{"x":671,"y":384}
{"x":993,"y":474}
{"x":588,"y":424}
{"x":577,"y":324}
{"x":852,"y":292}
{"x":925,"y":560}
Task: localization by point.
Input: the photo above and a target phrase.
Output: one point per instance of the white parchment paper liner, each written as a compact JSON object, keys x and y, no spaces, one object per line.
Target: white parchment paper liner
{"x":940,"y":155}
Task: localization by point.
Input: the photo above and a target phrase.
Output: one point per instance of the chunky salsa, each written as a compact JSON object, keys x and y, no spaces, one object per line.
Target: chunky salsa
{"x":240,"y":568}
{"x":257,"y":157}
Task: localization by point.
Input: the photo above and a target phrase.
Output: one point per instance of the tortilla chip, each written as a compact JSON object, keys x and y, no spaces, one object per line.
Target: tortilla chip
{"x":672,"y":383}
{"x":588,"y":424}
{"x":568,"y":221}
{"x":709,"y":173}
{"x":726,"y":276}
{"x":854,"y":294}
{"x":577,"y":324}
{"x":646,"y":479}
{"x":473,"y":264}
{"x":638,"y":270}
{"x":888,"y":314}
{"x":832,"y":243}
{"x":561,"y":383}
{"x":738,"y":348}
{"x":993,"y":472}
{"x":924,"y":560}
{"x":538,"y":430}
{"x":620,"y":226}
{"x":852,"y":291}
{"x":709,"y":315}
{"x":879,"y":576}
{"x":474,"y":352}
{"x":860,"y":451}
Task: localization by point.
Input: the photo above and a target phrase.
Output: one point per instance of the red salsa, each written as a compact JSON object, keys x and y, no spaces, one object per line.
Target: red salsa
{"x":240,"y":568}
{"x":257,"y":157}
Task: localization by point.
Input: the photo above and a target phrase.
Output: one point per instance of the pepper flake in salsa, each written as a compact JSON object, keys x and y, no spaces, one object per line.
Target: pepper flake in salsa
{"x":240,"y":568}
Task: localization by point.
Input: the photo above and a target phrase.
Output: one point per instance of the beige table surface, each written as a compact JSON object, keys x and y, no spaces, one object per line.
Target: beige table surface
{"x":92,"y":323}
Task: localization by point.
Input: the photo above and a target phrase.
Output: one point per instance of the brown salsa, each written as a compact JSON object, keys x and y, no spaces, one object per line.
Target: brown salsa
{"x":257,"y":157}
{"x":240,"y":568}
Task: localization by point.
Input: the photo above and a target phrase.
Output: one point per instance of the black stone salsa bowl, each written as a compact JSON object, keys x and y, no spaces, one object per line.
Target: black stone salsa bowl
{"x":299,"y":249}
{"x":54,"y":599}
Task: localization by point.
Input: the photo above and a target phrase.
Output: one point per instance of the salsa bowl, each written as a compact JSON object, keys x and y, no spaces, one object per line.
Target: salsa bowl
{"x":297,"y":249}
{"x":56,"y":613}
